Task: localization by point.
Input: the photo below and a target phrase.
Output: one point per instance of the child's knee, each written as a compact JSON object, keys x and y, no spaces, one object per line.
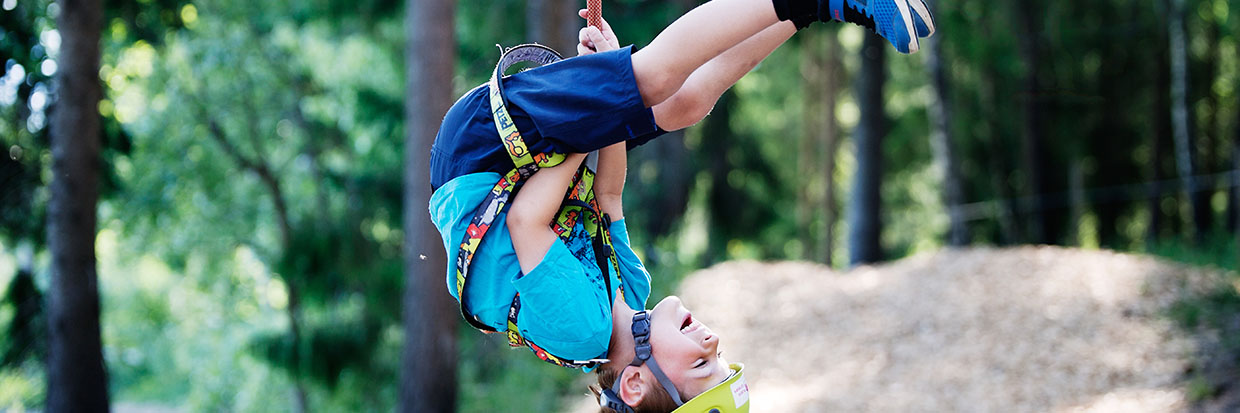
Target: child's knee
{"x":683,"y":110}
{"x":655,"y":85}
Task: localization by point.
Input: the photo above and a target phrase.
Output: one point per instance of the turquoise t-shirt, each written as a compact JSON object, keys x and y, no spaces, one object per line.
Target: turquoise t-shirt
{"x":564,"y":303}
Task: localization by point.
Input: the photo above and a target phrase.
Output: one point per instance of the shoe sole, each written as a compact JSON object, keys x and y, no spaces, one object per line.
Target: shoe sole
{"x":903,"y":6}
{"x":919,"y":6}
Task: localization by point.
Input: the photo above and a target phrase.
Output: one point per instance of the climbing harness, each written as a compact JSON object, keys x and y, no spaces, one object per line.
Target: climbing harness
{"x":730,"y":395}
{"x":579,"y":204}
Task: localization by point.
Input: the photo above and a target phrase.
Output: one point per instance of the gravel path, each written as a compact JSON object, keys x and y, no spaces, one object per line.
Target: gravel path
{"x":1031,"y":329}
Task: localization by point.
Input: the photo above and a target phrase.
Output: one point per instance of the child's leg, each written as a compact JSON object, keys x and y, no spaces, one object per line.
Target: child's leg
{"x":695,"y":38}
{"x":529,"y":217}
{"x":715,"y":27}
{"x":698,"y":94}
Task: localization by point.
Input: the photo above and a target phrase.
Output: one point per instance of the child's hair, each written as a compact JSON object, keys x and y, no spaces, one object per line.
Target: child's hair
{"x":657,"y":401}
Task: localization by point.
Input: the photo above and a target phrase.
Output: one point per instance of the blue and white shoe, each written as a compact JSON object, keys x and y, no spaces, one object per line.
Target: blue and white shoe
{"x":923,"y":21}
{"x":901,"y":22}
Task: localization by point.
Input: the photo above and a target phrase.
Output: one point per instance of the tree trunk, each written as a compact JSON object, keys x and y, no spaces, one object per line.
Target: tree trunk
{"x":428,"y":360}
{"x":1076,"y":201}
{"x":665,"y":191}
{"x":1109,"y":133}
{"x":1209,"y":148}
{"x":1009,"y":231}
{"x":865,"y":202}
{"x":1162,"y":136}
{"x":554,"y":23}
{"x":722,"y":199}
{"x":941,"y":144}
{"x":1233,"y":206}
{"x":1179,"y":114}
{"x":77,"y":379}
{"x":813,"y":72}
{"x":831,"y":142}
{"x":1033,"y":137}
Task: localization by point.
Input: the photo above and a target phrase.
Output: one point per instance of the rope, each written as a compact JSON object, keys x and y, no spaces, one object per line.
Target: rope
{"x":594,"y":13}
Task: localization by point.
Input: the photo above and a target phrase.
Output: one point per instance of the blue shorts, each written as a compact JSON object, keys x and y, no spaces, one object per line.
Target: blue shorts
{"x":577,"y":105}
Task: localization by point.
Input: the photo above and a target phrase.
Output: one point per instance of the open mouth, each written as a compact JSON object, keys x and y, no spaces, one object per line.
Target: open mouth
{"x":687,"y":324}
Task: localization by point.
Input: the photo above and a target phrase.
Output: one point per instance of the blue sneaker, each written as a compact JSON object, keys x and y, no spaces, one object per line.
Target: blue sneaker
{"x":892,"y":19}
{"x":923,"y":21}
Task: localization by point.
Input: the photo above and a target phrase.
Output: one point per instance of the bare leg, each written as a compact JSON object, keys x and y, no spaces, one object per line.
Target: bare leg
{"x":529,"y":217}
{"x":695,"y":38}
{"x":698,"y":94}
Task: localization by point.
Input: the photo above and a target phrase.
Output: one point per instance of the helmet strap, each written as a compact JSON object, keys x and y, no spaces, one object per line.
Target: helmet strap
{"x":643,"y":354}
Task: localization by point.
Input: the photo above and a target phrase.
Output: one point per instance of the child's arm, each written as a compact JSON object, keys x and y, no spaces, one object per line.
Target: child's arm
{"x":529,"y":218}
{"x":609,"y":181}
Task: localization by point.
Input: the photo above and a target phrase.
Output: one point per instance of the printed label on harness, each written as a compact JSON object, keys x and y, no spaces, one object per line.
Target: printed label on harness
{"x":513,"y":139}
{"x":501,"y":118}
{"x":740,"y":392}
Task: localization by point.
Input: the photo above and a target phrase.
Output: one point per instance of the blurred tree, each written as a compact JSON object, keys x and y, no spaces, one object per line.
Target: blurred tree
{"x":1180,"y":116}
{"x":821,"y":70}
{"x":661,"y":169}
{"x":1111,"y":127}
{"x":77,"y":378}
{"x":428,"y":360}
{"x":30,"y":46}
{"x":258,"y":165}
{"x":941,"y":141}
{"x":865,"y":204}
{"x":744,"y":193}
{"x":833,"y":77}
{"x":812,"y":68}
{"x":1233,"y":206}
{"x":281,"y":121}
{"x":994,"y":112}
{"x":554,"y":23}
{"x":1213,"y":153}
{"x":1162,"y":134}
{"x":1033,"y":143}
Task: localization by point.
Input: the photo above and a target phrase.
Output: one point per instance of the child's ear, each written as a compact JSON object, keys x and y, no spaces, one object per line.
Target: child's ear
{"x":633,"y":385}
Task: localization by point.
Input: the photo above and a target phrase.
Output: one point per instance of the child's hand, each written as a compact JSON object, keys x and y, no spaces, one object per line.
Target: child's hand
{"x":593,"y":40}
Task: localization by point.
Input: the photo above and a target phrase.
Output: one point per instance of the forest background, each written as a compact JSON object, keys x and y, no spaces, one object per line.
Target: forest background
{"x":262,"y":245}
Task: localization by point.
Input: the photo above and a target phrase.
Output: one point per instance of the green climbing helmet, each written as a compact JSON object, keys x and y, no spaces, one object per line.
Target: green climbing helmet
{"x":732,"y":395}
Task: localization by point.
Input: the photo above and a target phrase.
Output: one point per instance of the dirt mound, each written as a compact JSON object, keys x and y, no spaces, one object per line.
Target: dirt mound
{"x":1029,"y":329}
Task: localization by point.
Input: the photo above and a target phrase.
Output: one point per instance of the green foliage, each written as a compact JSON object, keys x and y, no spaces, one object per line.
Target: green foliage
{"x":23,"y":133}
{"x":318,"y":132}
{"x":1216,"y":312}
{"x":325,"y":352}
{"x":1199,"y":389}
{"x":493,"y":375}
{"x":25,"y":337}
{"x":22,"y":389}
{"x":1218,"y":249}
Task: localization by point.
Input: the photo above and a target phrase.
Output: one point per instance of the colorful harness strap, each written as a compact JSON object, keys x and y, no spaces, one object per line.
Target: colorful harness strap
{"x":579,"y":204}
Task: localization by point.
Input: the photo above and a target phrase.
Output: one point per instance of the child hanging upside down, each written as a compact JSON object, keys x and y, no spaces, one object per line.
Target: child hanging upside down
{"x":611,"y":99}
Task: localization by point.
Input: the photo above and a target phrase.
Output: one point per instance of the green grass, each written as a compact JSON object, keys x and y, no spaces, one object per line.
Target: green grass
{"x":1216,"y":311}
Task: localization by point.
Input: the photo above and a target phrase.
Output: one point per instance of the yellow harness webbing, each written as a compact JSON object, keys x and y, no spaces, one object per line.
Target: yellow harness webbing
{"x":579,"y":204}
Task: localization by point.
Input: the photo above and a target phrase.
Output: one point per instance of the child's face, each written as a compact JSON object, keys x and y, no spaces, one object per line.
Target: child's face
{"x":687,"y":350}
